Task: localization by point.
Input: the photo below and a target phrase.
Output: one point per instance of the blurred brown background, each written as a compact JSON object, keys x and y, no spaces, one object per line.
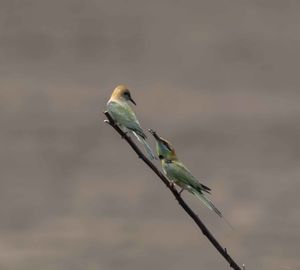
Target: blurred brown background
{"x":219,"y":79}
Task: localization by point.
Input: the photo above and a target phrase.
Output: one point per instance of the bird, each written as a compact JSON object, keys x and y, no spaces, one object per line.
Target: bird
{"x":177,"y":173}
{"x":121,"y":112}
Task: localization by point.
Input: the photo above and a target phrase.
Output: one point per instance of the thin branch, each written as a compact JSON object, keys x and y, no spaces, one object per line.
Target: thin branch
{"x":183,"y":204}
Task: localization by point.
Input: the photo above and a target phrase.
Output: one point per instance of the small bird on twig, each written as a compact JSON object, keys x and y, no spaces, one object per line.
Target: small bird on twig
{"x":125,"y":117}
{"x":177,"y":173}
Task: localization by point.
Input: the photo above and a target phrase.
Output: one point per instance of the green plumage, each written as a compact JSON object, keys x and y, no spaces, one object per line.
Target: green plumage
{"x":179,"y":174}
{"x":123,"y":114}
{"x":125,"y":117}
{"x":176,"y":171}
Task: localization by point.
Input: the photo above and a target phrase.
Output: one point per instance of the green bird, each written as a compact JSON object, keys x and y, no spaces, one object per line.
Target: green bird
{"x":124,"y":116}
{"x":177,"y":173}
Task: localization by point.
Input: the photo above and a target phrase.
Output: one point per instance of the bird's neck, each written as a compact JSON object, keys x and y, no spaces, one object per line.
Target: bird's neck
{"x":118,"y":99}
{"x":170,"y":159}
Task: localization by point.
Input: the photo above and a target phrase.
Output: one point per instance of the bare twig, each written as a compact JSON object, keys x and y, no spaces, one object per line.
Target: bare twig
{"x":183,"y":204}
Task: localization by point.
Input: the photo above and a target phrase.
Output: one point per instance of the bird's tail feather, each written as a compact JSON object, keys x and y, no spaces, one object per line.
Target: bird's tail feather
{"x":208,"y":203}
{"x":211,"y":206}
{"x":146,"y":145}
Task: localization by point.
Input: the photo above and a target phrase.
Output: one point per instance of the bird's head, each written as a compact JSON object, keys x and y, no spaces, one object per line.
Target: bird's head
{"x":122,"y":92}
{"x":164,"y":149}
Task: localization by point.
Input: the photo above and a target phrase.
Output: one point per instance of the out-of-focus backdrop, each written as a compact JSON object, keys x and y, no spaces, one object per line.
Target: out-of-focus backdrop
{"x":219,"y":79}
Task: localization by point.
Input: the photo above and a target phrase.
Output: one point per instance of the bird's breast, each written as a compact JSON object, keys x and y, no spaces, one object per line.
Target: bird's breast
{"x":168,"y":168}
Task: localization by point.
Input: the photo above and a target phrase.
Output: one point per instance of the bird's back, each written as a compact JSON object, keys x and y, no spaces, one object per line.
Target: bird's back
{"x":178,"y":172}
{"x":123,"y":114}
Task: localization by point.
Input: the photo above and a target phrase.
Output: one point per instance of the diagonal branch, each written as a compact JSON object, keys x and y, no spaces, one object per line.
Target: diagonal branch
{"x":183,"y":204}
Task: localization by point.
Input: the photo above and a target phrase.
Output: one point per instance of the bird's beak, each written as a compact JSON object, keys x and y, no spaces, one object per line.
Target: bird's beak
{"x":154,"y":134}
{"x":130,"y":98}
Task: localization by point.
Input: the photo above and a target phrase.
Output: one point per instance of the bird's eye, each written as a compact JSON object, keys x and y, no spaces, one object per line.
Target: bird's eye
{"x":160,"y":157}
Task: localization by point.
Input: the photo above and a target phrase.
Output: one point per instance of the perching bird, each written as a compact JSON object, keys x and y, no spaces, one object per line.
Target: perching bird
{"x":179,"y":174}
{"x":125,"y":117}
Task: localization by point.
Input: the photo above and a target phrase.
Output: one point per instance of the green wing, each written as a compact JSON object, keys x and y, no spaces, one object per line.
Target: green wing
{"x":125,"y":116}
{"x":177,"y":171}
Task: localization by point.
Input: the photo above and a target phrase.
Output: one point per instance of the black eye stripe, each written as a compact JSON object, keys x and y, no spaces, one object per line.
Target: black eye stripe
{"x":166,"y":145}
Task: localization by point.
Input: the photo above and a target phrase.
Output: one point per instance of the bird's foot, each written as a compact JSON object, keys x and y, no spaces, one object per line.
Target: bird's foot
{"x":172,"y":184}
{"x":125,"y":134}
